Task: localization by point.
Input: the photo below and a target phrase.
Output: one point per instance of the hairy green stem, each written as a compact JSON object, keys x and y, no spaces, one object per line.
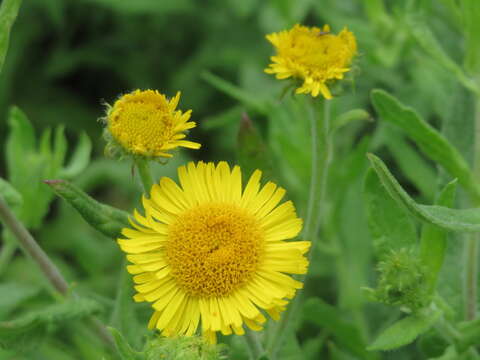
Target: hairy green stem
{"x":320,"y":142}
{"x":254,"y":344}
{"x":145,"y":175}
{"x":48,"y":268}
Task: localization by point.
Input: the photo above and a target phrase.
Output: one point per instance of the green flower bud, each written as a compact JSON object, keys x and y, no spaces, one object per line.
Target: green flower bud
{"x":402,"y":281}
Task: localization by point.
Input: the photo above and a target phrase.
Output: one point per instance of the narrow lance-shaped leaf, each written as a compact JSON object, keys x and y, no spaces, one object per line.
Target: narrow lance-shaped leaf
{"x":429,"y":140}
{"x":463,"y":220}
{"x":8,"y":14}
{"x":405,"y":331}
{"x":252,"y":152}
{"x":80,"y":158}
{"x":348,"y":117}
{"x":434,"y":239}
{"x":235,"y":92}
{"x":106,"y":219}
{"x":424,"y":36}
{"x":390,"y":225}
{"x":12,"y":197}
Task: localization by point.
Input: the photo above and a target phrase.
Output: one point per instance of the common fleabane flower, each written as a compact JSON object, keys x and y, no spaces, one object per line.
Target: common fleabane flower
{"x":146,"y":123}
{"x":315,"y":56}
{"x":212,"y":253}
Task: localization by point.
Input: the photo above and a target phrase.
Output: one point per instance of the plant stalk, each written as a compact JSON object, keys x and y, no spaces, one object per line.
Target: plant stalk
{"x":145,"y":175}
{"x":320,"y":148}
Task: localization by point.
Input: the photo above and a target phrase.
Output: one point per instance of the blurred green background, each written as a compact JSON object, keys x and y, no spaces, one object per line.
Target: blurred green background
{"x":66,"y":58}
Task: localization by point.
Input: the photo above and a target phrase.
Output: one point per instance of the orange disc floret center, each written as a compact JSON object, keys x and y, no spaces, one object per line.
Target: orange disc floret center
{"x":142,"y":121}
{"x":214,"y":249}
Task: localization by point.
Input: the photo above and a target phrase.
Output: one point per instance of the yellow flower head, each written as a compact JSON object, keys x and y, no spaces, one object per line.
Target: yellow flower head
{"x":146,"y":123}
{"x":313,"y":55}
{"x":210,"y":252}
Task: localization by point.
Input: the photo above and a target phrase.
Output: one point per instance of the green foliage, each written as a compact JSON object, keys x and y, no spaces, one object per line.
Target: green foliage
{"x":429,"y":140}
{"x":26,"y":332}
{"x":8,"y":13}
{"x":464,"y":220}
{"x":106,"y":219}
{"x":390,"y":225}
{"x":405,"y":331}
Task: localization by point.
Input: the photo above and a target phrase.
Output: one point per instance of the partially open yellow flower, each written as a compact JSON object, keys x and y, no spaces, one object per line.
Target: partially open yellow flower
{"x":210,"y":252}
{"x":146,"y":123}
{"x":313,"y":55}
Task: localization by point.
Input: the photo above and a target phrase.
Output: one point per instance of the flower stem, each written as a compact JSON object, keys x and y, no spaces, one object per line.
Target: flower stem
{"x":254,"y":344}
{"x":320,"y":156}
{"x":145,"y":174}
{"x":48,"y":268}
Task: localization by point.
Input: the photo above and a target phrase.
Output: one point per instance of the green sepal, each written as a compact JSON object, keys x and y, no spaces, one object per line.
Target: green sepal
{"x":432,"y":143}
{"x":462,"y":220}
{"x":106,"y":219}
{"x":405,"y":331}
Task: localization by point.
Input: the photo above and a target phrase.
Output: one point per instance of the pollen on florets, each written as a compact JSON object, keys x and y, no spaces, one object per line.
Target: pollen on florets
{"x":146,"y":123}
{"x":315,"y":56}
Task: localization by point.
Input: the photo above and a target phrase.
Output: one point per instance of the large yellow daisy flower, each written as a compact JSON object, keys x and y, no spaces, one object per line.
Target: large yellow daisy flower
{"x":146,"y":123}
{"x":315,"y":56}
{"x":210,"y":252}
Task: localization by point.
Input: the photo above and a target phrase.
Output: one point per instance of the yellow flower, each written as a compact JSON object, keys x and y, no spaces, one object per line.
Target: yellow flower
{"x":210,"y":252}
{"x":146,"y":123}
{"x":313,"y":55}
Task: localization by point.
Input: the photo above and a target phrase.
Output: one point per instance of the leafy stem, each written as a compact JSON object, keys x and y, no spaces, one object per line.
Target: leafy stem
{"x":254,"y":344}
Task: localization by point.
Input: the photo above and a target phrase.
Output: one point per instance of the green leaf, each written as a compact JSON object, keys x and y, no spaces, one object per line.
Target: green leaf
{"x":434,"y":239}
{"x":464,"y":220}
{"x":17,"y":294}
{"x":235,"y":92}
{"x":106,"y":219}
{"x":429,"y":140}
{"x":405,"y":331}
{"x":8,"y":14}
{"x":80,"y":158}
{"x":430,"y":44}
{"x":411,"y":163}
{"x":390,"y":225}
{"x":328,"y":317}
{"x":470,"y":15}
{"x":59,"y":150}
{"x":12,"y":197}
{"x":348,"y":117}
{"x":20,"y":141}
{"x":28,"y":331}
{"x":124,"y":349}
{"x":252,"y":152}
